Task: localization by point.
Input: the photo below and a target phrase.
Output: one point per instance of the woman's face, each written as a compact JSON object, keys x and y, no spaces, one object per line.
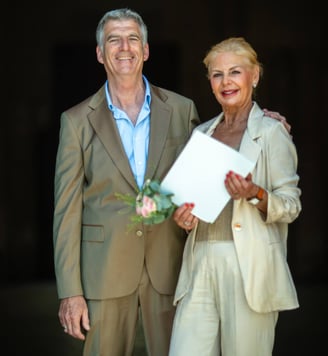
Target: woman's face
{"x":232,"y":79}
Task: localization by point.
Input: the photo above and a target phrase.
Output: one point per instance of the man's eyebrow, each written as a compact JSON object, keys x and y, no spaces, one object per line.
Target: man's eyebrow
{"x":110,"y":36}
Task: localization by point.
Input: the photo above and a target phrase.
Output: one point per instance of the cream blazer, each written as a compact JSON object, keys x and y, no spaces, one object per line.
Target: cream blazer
{"x":261,"y":242}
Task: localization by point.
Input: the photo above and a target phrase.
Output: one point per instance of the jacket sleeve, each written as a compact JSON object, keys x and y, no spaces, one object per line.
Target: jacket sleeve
{"x":68,"y":185}
{"x":279,"y":173}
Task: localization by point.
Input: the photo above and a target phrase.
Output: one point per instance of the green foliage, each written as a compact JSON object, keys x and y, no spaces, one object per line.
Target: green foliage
{"x":160,"y":206}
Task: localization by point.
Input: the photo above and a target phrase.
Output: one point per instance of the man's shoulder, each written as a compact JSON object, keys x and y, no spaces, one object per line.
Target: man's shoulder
{"x":167,"y":94}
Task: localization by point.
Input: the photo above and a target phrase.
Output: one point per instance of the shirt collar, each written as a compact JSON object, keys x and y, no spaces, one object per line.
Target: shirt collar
{"x":147,"y":100}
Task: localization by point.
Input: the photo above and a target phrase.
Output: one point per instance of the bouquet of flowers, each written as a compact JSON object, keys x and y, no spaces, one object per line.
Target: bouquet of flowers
{"x":152,"y":205}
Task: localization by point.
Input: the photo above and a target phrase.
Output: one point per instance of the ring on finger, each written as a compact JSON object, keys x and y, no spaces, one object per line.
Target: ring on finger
{"x":186,"y":223}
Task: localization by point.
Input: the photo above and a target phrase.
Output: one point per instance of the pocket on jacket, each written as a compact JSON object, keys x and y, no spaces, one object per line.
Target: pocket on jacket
{"x":93,"y":233}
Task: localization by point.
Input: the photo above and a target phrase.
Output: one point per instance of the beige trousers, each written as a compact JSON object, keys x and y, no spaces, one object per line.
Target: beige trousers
{"x":214,"y":318}
{"x":114,"y":322}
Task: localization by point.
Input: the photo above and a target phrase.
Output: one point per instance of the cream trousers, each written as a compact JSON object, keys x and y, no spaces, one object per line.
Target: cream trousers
{"x":214,"y":318}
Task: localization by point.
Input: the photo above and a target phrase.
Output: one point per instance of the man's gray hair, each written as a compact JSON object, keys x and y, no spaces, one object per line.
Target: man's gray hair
{"x":120,"y":14}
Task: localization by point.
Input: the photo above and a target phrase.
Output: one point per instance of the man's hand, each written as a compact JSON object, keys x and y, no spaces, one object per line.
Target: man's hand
{"x":73,"y":314}
{"x":277,"y":116}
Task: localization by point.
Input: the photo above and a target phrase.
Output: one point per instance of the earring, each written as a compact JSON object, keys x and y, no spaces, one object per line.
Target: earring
{"x":254,"y":85}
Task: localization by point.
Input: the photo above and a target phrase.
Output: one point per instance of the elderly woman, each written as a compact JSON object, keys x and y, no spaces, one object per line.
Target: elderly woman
{"x":235,"y":278}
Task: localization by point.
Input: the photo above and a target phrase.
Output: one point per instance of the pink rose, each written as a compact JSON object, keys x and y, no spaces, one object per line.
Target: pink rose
{"x":148,"y":206}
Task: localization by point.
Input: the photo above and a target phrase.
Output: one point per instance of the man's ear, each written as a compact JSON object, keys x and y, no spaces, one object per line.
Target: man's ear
{"x":99,"y":55}
{"x":146,"y":52}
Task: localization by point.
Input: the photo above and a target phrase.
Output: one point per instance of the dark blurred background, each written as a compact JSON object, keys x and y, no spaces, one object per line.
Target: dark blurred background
{"x":48,"y":64}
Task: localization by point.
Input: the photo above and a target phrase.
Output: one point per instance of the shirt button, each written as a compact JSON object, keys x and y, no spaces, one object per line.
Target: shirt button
{"x":237,"y":226}
{"x":139,"y":233}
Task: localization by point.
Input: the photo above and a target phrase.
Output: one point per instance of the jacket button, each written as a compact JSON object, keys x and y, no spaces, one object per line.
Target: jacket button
{"x":139,"y":233}
{"x":237,"y":226}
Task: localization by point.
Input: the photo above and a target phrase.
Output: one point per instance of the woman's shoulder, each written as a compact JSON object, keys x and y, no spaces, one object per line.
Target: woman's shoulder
{"x":204,"y":126}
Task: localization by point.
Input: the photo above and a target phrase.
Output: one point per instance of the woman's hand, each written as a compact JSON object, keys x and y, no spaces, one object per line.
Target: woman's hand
{"x":239,"y":187}
{"x":184,"y":218}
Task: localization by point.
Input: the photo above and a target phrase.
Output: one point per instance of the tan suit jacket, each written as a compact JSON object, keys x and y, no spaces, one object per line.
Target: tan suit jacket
{"x":95,"y":253}
{"x":261,"y":243}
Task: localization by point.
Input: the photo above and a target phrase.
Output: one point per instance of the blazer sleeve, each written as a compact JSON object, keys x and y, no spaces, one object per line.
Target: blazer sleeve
{"x":284,"y":203}
{"x":68,"y":185}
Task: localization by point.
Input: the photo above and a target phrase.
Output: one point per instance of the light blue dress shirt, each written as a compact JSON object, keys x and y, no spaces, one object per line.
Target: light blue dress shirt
{"x":135,"y":138}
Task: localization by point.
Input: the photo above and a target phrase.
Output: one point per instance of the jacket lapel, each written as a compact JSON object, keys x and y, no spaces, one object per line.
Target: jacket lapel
{"x":160,"y":119}
{"x":249,"y":148}
{"x":104,"y":125}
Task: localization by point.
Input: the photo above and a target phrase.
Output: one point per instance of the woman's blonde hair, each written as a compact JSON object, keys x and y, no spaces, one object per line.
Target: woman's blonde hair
{"x":237,"y":45}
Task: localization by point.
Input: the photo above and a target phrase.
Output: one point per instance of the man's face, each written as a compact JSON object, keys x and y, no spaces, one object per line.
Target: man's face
{"x":124,"y":53}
